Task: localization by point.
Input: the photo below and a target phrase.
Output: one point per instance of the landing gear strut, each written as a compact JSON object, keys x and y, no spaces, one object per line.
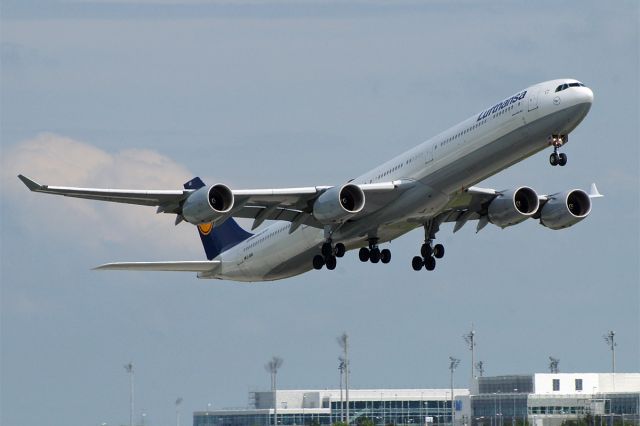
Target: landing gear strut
{"x":373,"y":254}
{"x":329,"y":253}
{"x":429,"y":252}
{"x":556,"y":158}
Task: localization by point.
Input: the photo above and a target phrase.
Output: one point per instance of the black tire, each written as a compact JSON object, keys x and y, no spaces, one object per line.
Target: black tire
{"x":326,"y":249}
{"x":438,"y":251}
{"x":318,"y":261}
{"x":417,"y":263}
{"x":374,"y":256}
{"x":426,"y":250}
{"x":430,"y":263}
{"x":363,"y":254}
{"x":340,"y":250}
{"x":562,"y":159}
{"x":553,"y":159}
{"x":331,"y":262}
{"x":385,"y":256}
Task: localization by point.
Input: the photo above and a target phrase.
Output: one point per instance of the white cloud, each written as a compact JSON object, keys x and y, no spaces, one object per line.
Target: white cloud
{"x":56,"y":160}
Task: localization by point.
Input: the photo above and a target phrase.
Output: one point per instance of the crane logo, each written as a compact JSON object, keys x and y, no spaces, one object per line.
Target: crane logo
{"x":205,"y":228}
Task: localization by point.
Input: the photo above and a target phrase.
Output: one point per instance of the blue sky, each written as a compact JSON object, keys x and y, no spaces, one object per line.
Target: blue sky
{"x":280,"y":93}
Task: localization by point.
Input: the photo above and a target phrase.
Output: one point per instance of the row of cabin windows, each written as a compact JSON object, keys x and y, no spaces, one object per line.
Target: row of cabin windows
{"x":565,"y":86}
{"x":263,"y":238}
{"x":464,"y":132}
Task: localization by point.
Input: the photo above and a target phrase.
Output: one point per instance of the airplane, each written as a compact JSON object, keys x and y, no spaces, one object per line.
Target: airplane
{"x":427,"y":186}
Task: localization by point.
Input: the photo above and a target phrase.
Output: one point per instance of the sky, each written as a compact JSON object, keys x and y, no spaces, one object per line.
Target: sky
{"x":277,"y":93}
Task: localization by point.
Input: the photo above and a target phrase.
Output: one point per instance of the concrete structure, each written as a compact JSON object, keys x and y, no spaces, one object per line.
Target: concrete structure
{"x":538,"y":399}
{"x":323,"y":407}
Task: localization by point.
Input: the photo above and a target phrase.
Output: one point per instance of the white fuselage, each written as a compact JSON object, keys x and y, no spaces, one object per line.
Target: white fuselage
{"x":462,"y":156}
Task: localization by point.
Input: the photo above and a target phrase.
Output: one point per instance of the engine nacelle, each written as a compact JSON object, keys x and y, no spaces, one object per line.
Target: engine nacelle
{"x":565,"y":209}
{"x":207,"y":204}
{"x":513,"y":206}
{"x":338,"y":204}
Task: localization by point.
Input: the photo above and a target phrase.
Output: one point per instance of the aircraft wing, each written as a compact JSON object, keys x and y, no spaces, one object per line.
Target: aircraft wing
{"x":180,"y":266}
{"x":288,"y":204}
{"x":472,"y":204}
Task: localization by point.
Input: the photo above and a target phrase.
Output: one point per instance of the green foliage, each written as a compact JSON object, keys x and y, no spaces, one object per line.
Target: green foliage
{"x":365,"y":421}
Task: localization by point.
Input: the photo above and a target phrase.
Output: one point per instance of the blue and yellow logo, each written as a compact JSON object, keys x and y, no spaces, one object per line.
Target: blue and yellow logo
{"x":205,"y":228}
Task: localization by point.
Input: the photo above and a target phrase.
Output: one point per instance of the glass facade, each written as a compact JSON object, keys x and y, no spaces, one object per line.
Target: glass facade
{"x":381,"y":413}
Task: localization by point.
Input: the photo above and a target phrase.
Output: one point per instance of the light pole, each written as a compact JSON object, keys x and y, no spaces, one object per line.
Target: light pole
{"x":453,"y":364}
{"x":129,"y":369}
{"x":609,"y":339}
{"x":470,"y":339}
{"x":178,"y":402}
{"x":272,"y":367}
{"x":341,"y":366}
{"x":343,"y":341}
{"x":513,"y":418}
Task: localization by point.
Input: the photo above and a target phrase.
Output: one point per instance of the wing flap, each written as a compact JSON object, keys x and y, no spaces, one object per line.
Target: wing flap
{"x":178,"y":266}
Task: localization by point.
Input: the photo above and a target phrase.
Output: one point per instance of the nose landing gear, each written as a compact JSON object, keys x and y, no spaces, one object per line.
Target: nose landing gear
{"x":556,"y":158}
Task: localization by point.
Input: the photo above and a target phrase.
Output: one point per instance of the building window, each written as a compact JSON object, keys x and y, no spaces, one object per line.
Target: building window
{"x":556,"y":384}
{"x":578,"y":384}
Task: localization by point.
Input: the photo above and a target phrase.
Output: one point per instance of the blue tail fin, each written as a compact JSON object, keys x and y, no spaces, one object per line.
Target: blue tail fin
{"x":221,"y":237}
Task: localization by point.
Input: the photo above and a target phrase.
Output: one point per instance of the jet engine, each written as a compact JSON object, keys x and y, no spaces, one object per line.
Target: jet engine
{"x":207,"y":204}
{"x":565,"y":209}
{"x":338,"y":204}
{"x":513,"y":206}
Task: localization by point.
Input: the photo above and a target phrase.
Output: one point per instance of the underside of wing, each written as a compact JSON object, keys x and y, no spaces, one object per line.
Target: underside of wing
{"x":179,"y":266}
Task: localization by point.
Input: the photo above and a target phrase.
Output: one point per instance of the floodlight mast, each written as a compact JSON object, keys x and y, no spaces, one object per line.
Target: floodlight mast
{"x":480,"y":368}
{"x":343,"y":341}
{"x":341,"y":366}
{"x":470,"y":339}
{"x":453,"y":364}
{"x":553,"y":365}
{"x":609,"y":339}
{"x":129,"y":369}
{"x":178,"y":402}
{"x":272,"y":367}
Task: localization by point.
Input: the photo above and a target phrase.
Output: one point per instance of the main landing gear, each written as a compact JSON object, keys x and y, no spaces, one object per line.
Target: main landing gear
{"x":428,"y":252}
{"x":373,"y":254}
{"x":556,"y":158}
{"x":329,"y":255}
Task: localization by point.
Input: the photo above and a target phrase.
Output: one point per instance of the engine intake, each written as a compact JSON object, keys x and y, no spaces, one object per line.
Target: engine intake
{"x":566,"y":209}
{"x":338,"y":204}
{"x":208,"y":204}
{"x":513,"y":206}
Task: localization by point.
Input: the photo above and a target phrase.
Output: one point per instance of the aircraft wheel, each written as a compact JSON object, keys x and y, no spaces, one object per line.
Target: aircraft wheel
{"x":385,"y":256}
{"x":438,"y":251}
{"x":326,"y":249}
{"x":374,"y":256}
{"x":562,"y":159}
{"x":363,"y":254}
{"x":553,"y":159}
{"x":331,"y":263}
{"x":417,"y":263}
{"x":430,"y":263}
{"x":340,"y":250}
{"x":426,"y":250}
{"x":318,"y":261}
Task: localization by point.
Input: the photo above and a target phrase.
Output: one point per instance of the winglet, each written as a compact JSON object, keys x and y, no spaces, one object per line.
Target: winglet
{"x":32,"y":185}
{"x":593,"y":192}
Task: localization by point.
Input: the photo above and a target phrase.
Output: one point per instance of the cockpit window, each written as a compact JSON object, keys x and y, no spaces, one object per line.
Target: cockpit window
{"x":567,"y":85}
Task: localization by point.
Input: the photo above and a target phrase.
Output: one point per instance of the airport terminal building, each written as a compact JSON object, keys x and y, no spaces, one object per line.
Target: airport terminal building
{"x":538,"y":399}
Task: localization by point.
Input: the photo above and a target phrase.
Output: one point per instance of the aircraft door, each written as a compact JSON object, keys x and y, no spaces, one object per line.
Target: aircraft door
{"x":428,"y":154}
{"x":533,"y":102}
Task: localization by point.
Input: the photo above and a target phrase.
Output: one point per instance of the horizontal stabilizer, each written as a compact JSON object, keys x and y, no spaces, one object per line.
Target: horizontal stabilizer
{"x":180,"y":266}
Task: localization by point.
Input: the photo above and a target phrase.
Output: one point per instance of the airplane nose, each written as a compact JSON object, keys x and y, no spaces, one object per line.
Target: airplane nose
{"x":586,"y":95}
